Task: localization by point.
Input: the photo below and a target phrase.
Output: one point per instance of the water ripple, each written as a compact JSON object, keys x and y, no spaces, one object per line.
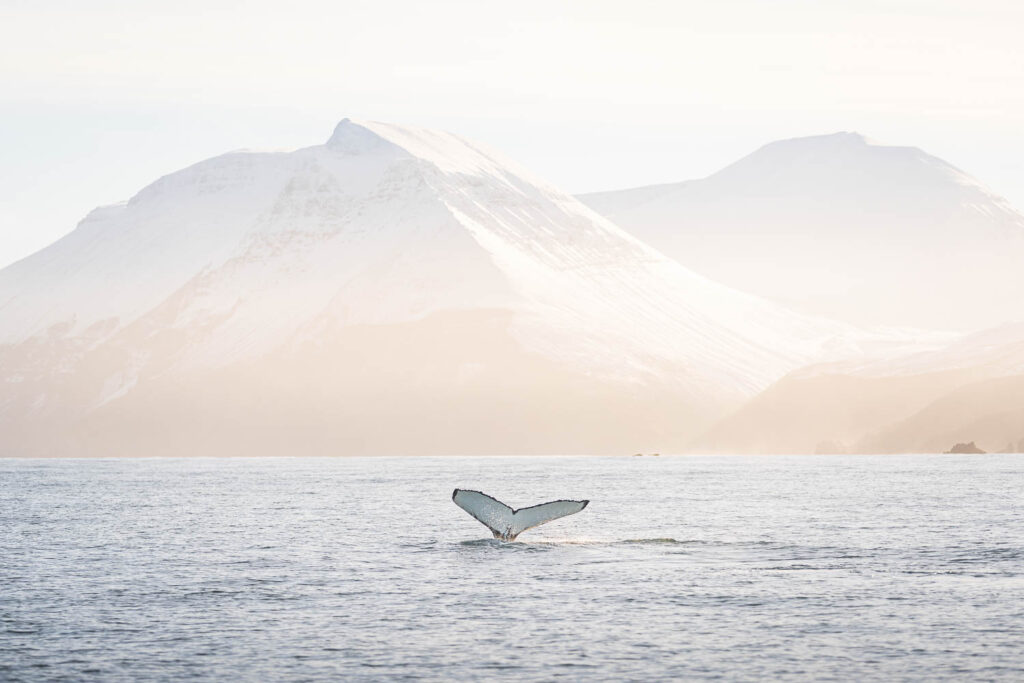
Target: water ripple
{"x":362,"y":569}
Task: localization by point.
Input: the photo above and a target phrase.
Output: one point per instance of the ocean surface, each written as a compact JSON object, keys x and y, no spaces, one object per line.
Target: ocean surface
{"x":736,"y":568}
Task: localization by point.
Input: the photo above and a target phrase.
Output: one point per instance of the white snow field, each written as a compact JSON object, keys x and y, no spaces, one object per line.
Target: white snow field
{"x":392,"y":290}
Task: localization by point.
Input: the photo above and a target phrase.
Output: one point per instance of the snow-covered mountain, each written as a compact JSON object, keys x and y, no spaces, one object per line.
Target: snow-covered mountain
{"x":841,"y":226}
{"x":394,"y":290}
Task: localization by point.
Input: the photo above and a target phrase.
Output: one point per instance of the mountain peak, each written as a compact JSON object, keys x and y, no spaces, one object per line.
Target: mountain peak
{"x":447,"y":152}
{"x":842,"y":140}
{"x":844,"y":157}
{"x":847,"y":136}
{"x":354,"y":137}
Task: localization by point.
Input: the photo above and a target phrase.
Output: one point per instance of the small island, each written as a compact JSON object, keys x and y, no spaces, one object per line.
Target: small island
{"x":968,"y":448}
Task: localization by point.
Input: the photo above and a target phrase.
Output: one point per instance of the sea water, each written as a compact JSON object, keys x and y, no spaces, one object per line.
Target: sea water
{"x":738,"y":568}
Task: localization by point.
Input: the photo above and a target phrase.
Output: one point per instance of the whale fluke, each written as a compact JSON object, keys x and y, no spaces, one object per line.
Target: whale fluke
{"x":506,"y":523}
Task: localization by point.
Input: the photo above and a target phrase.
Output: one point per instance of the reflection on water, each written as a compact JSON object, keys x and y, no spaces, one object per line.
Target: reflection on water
{"x":880,"y":568}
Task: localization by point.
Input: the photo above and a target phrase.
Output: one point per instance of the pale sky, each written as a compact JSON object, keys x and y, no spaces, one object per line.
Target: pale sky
{"x":99,"y":98}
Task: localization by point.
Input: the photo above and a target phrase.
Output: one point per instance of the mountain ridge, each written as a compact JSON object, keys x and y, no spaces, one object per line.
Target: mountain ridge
{"x":888,"y":235}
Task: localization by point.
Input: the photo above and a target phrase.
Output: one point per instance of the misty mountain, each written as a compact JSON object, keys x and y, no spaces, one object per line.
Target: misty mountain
{"x":971,"y":389}
{"x":840,"y":226}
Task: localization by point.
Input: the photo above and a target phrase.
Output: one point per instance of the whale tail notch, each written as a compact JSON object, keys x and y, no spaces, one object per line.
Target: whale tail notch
{"x":506,"y":523}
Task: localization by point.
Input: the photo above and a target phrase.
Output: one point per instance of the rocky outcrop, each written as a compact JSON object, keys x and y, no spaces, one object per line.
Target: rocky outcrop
{"x":969,"y":448}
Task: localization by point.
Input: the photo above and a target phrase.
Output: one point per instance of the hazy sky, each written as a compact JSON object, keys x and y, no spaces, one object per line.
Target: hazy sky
{"x":99,"y":98}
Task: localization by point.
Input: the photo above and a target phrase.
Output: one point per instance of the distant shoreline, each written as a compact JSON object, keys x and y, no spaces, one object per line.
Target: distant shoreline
{"x":503,"y":455}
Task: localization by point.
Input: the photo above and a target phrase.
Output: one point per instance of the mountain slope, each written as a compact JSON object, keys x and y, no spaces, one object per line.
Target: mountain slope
{"x":967,"y":390}
{"x":841,"y":226}
{"x":989,"y":412}
{"x":393,"y":290}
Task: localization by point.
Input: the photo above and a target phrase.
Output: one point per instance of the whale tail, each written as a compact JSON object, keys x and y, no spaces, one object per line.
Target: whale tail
{"x":506,"y":523}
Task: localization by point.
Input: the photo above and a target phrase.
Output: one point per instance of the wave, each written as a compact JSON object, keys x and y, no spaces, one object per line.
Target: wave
{"x":553,"y":542}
